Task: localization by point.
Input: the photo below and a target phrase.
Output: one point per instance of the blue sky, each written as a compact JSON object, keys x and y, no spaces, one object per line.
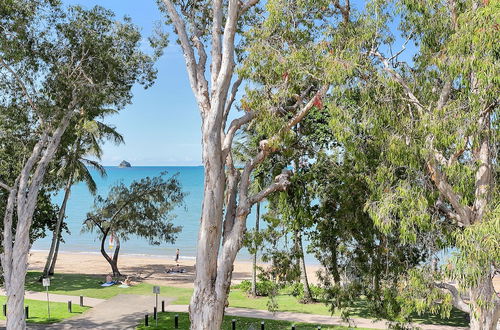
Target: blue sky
{"x":162,"y":125}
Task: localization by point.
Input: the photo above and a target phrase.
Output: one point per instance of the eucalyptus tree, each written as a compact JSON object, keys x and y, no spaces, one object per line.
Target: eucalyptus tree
{"x":143,"y":209}
{"x":204,"y":27}
{"x":74,"y":165}
{"x":436,"y":121}
{"x":66,"y":63}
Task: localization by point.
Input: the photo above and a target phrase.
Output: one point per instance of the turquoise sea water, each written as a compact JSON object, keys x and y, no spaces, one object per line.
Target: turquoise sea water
{"x":187,"y":216}
{"x":81,"y":201}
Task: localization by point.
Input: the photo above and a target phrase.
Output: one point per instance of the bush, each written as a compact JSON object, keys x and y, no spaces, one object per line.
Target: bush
{"x":263,"y":288}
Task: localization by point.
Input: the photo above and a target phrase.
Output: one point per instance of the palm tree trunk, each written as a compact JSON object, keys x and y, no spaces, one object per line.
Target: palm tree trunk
{"x":54,"y":258}
{"x":303,"y":271}
{"x":254,"y":261}
{"x":50,"y":263}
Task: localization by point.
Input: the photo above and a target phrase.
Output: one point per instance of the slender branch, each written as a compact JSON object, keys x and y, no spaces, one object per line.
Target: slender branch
{"x":396,"y":76}
{"x":344,"y":10}
{"x":247,"y":5}
{"x":457,"y":301}
{"x":302,"y":113}
{"x":23,"y":88}
{"x":5,"y":186}
{"x":233,"y":128}
{"x":300,"y":98}
{"x":200,"y":71}
{"x":230,"y":100}
{"x":187,"y":49}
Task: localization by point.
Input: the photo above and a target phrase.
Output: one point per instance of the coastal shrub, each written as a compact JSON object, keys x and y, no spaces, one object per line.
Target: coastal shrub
{"x":297,"y":290}
{"x":263,"y":288}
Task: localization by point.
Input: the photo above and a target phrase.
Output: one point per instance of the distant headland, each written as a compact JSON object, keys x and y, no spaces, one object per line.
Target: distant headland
{"x":124,"y":163}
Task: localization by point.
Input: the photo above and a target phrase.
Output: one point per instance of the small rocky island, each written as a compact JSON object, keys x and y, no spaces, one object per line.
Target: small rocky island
{"x":124,"y":163}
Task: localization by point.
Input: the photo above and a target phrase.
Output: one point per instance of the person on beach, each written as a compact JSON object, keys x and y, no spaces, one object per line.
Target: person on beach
{"x":127,"y":282}
{"x":177,"y":258}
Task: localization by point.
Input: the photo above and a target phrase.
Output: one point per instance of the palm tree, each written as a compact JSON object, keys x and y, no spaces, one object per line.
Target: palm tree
{"x":74,"y":166}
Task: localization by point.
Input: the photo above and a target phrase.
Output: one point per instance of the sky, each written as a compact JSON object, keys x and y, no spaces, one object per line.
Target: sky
{"x":162,"y":126}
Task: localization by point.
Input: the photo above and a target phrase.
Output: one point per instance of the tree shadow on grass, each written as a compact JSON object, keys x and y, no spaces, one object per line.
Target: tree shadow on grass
{"x":64,"y":282}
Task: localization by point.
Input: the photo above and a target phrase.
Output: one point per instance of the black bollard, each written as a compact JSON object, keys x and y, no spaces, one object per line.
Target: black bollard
{"x":146,"y":320}
{"x":262,"y":325}
{"x":81,"y":301}
{"x":27,"y":312}
{"x":154,"y":313}
{"x":4,"y":309}
{"x":163,"y":306}
{"x":233,"y":322}
{"x":70,"y":308}
{"x":176,"y":321}
{"x":293,"y":327}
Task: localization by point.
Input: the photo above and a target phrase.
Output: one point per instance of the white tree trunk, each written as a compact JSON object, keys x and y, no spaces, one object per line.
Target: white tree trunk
{"x":484,"y":311}
{"x":27,"y":186}
{"x":221,"y":235}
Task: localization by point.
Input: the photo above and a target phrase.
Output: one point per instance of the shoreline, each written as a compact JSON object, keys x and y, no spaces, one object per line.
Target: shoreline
{"x":147,"y":268}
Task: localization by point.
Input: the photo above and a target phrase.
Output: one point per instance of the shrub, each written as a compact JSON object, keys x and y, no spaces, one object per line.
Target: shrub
{"x":263,"y":288}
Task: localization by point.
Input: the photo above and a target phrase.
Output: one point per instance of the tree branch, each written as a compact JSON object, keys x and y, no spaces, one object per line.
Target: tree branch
{"x":344,"y":10}
{"x":227,"y":60}
{"x":216,"y":52}
{"x":233,"y":128}
{"x":463,"y":213}
{"x":396,"y":76}
{"x":280,"y":183}
{"x":5,"y":186}
{"x":247,"y":5}
{"x":187,"y":49}
{"x":230,"y":100}
{"x":448,"y":212}
{"x":456,"y":299}
{"x":445,"y":95}
{"x":23,"y":88}
{"x":266,"y":145}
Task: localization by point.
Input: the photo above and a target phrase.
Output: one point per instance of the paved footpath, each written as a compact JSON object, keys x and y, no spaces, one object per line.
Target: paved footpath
{"x":126,"y":311}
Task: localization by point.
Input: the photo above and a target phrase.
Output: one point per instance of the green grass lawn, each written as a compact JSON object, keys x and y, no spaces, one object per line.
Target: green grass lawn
{"x":38,"y":311}
{"x":166,"y":321}
{"x":89,"y":286}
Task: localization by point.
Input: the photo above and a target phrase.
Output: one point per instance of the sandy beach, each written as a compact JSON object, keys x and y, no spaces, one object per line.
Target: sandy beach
{"x":150,"y":269}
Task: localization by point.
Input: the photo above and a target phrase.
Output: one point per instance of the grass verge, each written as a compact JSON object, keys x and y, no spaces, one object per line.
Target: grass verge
{"x":38,"y":311}
{"x":166,"y":321}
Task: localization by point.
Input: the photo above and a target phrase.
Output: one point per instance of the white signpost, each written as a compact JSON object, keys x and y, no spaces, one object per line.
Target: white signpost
{"x":46,"y":284}
{"x":156,"y":291}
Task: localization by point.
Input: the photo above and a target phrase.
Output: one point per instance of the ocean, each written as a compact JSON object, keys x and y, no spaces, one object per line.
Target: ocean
{"x":187,"y":216}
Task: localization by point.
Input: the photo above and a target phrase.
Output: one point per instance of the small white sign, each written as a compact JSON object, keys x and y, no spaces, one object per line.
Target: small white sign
{"x":156,"y":289}
{"x":46,"y":282}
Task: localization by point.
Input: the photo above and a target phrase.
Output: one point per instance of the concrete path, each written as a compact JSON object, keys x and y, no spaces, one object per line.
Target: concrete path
{"x":310,"y":318}
{"x":91,"y":302}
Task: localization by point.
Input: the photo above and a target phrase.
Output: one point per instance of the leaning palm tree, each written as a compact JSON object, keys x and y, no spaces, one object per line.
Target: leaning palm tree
{"x":74,"y":166}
